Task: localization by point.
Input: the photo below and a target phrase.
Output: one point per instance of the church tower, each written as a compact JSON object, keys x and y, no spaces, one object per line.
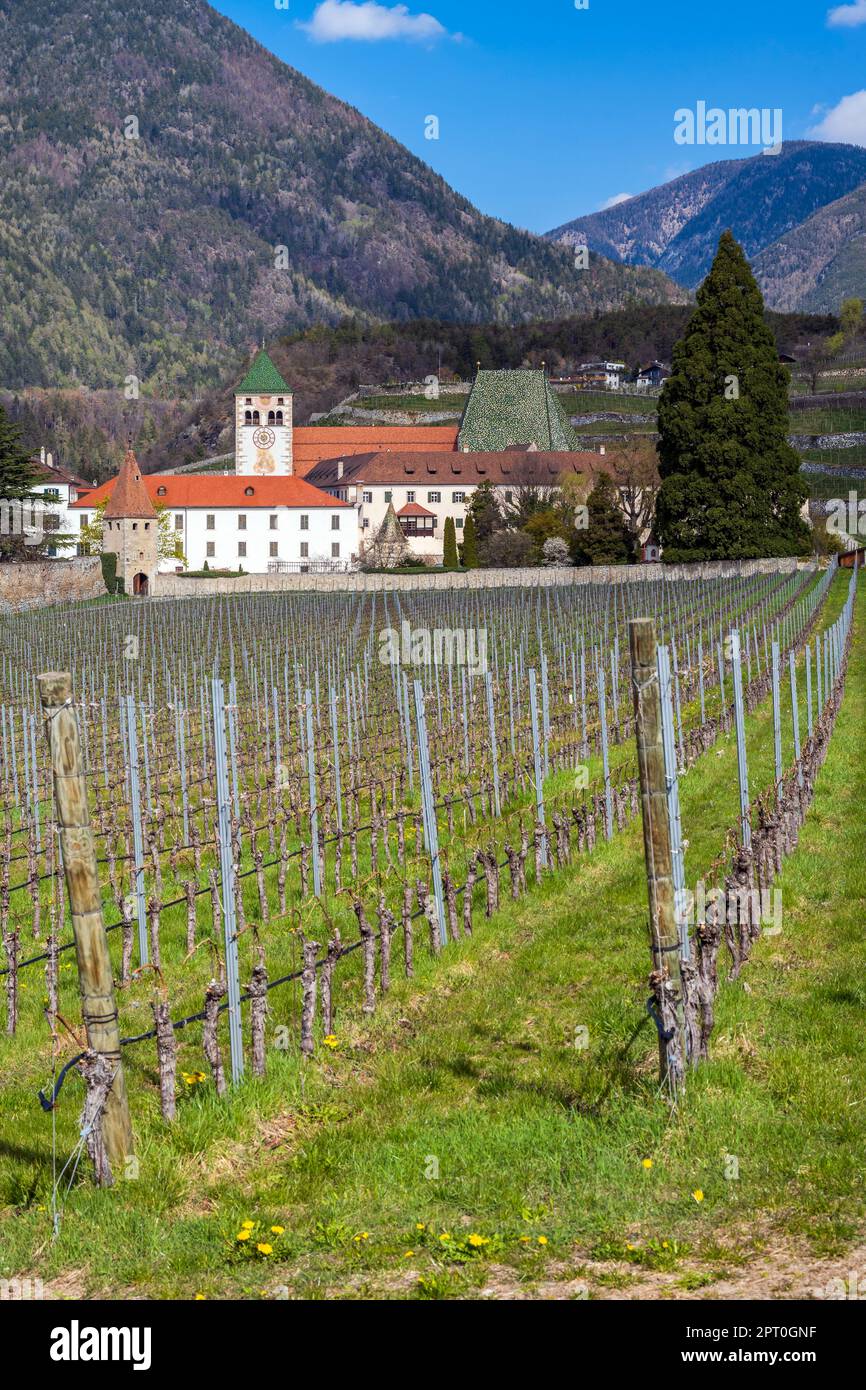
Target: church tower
{"x":263,"y":421}
{"x":131,"y":529}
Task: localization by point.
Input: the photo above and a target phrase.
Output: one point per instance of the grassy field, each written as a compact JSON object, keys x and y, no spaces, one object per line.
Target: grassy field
{"x":459,"y":1145}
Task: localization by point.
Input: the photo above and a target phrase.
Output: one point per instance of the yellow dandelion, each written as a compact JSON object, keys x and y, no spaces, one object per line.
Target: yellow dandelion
{"x":478,"y":1241}
{"x":265,"y":1249}
{"x":248,"y":1225}
{"x":542,"y":1240}
{"x":419,"y":1226}
{"x":243,"y":1235}
{"x":331,"y":1041}
{"x":647,"y":1162}
{"x":407,"y":1254}
{"x":277,"y":1230}
{"x":698,"y":1195}
{"x":629,"y":1246}
{"x":524,"y":1240}
{"x":445,"y":1237}
{"x":199,"y":1297}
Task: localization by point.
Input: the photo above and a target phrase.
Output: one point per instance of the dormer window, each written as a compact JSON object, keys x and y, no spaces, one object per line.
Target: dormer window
{"x":249,"y":492}
{"x":160,"y":492}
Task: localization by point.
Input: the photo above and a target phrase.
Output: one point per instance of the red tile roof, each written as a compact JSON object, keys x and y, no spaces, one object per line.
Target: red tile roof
{"x":213,"y":490}
{"x":414,"y":509}
{"x":312,"y":443}
{"x":128,"y":495}
{"x":454,"y":469}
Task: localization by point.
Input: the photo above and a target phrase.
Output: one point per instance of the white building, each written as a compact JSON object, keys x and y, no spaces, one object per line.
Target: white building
{"x":425,"y":489}
{"x":609,"y":374}
{"x":57,"y":490}
{"x":249,"y":523}
{"x":260,"y":519}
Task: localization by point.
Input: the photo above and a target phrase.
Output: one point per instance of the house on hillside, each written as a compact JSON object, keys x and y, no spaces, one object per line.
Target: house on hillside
{"x":653,"y":376}
{"x":600,"y":376}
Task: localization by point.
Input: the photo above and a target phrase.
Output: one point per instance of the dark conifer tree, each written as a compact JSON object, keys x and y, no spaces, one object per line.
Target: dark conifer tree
{"x":730,"y":480}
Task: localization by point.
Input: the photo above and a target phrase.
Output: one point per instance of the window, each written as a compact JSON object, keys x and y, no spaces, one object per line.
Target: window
{"x":335,"y":550}
{"x":458,"y":522}
{"x":84,"y":521}
{"x":249,"y":492}
{"x":242,"y":521}
{"x":134,"y":524}
{"x":274,"y":521}
{"x":388,"y":496}
{"x":147,"y":526}
{"x":274,"y":549}
{"x":366,"y":522}
{"x":305,"y":522}
{"x":305,"y":549}
{"x":210,"y":550}
{"x":210,"y":523}
{"x":509,"y":496}
{"x":160,"y":491}
{"x":272,"y":417}
{"x":458,"y":497}
{"x":242,"y":548}
{"x":178,"y":521}
{"x":335,"y":523}
{"x":434,"y":496}
{"x":279,"y":419}
{"x":410,"y":496}
{"x":368,"y":497}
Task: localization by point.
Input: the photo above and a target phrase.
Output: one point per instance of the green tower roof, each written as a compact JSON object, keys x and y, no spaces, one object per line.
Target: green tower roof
{"x":510,"y":408}
{"x":262,"y":378}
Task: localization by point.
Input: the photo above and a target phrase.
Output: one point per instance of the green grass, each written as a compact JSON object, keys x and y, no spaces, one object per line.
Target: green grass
{"x":471,"y":1070}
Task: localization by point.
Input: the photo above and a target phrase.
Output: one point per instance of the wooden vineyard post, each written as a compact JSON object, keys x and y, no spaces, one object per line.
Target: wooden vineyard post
{"x":666,"y":978}
{"x":95,"y":977}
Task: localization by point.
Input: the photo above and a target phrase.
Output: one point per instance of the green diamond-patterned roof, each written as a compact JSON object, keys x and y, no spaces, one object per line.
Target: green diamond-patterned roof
{"x":510,"y":408}
{"x":262,"y":378}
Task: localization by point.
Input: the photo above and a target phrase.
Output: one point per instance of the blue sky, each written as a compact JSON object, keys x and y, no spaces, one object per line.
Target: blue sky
{"x":547,"y":111}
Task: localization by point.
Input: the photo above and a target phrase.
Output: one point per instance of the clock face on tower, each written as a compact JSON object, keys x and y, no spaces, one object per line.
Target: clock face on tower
{"x":264,"y":439}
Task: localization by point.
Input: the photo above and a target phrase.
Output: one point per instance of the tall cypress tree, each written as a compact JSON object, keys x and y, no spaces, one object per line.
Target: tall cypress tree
{"x":730,"y":480}
{"x":470,"y":549}
{"x":450,"y":558}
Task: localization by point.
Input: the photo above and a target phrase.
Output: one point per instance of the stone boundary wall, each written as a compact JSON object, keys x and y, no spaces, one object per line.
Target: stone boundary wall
{"x":167,"y":586}
{"x":39,"y":583}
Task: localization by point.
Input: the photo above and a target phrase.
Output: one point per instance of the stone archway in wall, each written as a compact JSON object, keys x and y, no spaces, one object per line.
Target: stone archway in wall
{"x":140,"y":585}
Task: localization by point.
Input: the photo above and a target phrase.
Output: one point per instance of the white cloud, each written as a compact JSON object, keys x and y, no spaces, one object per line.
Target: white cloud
{"x":615,"y":201}
{"x":334,"y":20}
{"x":844,"y":122}
{"x":847,"y":16}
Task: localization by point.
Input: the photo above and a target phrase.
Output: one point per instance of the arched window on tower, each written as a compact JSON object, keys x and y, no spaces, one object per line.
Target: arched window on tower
{"x":248,"y":417}
{"x":256,"y":418}
{"x":272,"y":419}
{"x":279,"y":418}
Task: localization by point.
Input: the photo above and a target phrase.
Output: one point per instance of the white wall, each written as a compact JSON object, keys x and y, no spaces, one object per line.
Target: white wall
{"x":258,"y":536}
{"x":374,"y":512}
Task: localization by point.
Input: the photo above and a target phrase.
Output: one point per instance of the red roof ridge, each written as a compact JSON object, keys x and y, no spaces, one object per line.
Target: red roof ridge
{"x":129,"y":496}
{"x":216,"y":490}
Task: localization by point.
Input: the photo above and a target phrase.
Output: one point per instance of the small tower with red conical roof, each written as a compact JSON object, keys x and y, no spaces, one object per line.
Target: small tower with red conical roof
{"x":131,"y":528}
